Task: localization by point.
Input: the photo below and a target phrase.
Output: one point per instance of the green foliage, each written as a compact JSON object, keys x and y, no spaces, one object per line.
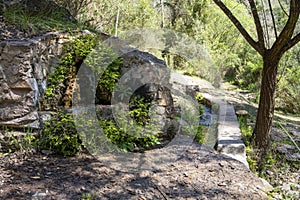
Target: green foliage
{"x":111,"y":75}
{"x":246,"y":136}
{"x":126,"y":140}
{"x":139,"y":110}
{"x":288,"y":90}
{"x":273,"y":161}
{"x":108,"y":81}
{"x":106,"y":65}
{"x":245,"y":129}
{"x":86,"y":196}
{"x":75,"y":52}
{"x":199,"y":136}
{"x":130,"y":135}
{"x":46,"y":17}
{"x":9,"y":142}
{"x":76,"y":7}
{"x":201,"y":101}
{"x":60,"y":135}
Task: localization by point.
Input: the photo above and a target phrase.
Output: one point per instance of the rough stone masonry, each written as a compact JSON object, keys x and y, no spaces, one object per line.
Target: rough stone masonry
{"x":24,"y":67}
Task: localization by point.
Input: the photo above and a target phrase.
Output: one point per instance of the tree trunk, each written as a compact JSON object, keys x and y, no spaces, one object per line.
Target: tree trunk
{"x":263,"y":126}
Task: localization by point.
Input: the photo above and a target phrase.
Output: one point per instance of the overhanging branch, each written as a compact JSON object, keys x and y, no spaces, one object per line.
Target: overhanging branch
{"x":285,"y":41}
{"x":292,"y":42}
{"x":240,"y":27}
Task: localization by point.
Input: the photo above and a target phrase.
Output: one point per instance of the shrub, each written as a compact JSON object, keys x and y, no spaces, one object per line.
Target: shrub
{"x":75,"y":7}
{"x":108,"y":80}
{"x":10,"y":142}
{"x":60,"y":135}
{"x":137,"y":134}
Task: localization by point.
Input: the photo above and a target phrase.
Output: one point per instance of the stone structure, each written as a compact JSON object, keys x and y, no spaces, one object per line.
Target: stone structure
{"x":24,"y":67}
{"x":141,"y":74}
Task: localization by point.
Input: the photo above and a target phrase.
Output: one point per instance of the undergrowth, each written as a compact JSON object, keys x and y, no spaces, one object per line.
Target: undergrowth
{"x":275,"y":165}
{"x":11,"y":142}
{"x":60,"y":135}
{"x":35,"y":23}
{"x":75,"y":52}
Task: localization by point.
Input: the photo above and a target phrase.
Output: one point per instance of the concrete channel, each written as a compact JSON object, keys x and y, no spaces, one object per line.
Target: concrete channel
{"x":229,"y":138}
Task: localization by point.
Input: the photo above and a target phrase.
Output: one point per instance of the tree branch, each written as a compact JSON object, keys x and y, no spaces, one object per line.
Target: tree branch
{"x":267,"y":35}
{"x":273,"y":18}
{"x":259,"y":29}
{"x":292,"y":42}
{"x":240,"y":27}
{"x":284,"y":40}
{"x":282,"y":8}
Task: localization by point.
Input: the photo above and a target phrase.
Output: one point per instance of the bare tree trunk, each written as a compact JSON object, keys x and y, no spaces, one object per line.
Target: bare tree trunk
{"x":162,"y":13}
{"x":117,"y":20}
{"x":263,"y":126}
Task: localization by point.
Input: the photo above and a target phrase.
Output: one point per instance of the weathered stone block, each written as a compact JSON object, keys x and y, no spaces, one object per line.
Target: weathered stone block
{"x":24,"y":67}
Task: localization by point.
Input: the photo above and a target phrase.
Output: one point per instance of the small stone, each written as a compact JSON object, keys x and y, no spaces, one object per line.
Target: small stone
{"x":269,"y":172}
{"x":241,"y":112}
{"x":286,"y":187}
{"x":266,"y":185}
{"x":46,"y":152}
{"x":293,"y":157}
{"x":35,"y":177}
{"x":285,"y":148}
{"x":222,"y":184}
{"x":39,"y":195}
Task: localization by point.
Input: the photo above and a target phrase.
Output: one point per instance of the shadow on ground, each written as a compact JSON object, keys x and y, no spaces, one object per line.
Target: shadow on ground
{"x":199,"y":173}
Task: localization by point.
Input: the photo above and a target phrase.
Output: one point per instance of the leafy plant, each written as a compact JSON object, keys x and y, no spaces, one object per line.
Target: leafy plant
{"x":126,"y":140}
{"x":200,"y":98}
{"x":199,"y":136}
{"x":60,"y":135}
{"x":75,"y":52}
{"x":108,"y":80}
{"x":86,"y":196}
{"x":136,"y":133}
{"x":139,"y":110}
{"x":9,"y":142}
{"x":274,"y":163}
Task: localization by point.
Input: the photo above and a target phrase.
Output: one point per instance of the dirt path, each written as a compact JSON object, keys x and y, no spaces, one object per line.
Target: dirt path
{"x":198,"y":174}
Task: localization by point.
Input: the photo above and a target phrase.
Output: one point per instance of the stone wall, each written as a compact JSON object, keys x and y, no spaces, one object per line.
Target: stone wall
{"x":24,"y":67}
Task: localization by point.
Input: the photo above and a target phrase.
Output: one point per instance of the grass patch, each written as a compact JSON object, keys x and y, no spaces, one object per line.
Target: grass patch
{"x":38,"y":20}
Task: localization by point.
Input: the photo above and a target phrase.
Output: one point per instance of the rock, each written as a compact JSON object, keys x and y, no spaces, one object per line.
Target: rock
{"x":242,"y":113}
{"x":38,"y":195}
{"x":286,"y":148}
{"x":267,"y":187}
{"x":293,"y":157}
{"x":46,"y":152}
